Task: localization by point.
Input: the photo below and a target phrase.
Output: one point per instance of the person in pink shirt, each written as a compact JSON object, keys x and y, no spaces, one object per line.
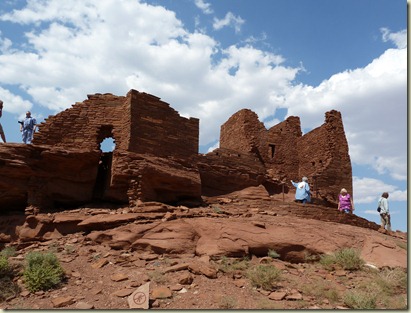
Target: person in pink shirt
{"x":345,"y":203}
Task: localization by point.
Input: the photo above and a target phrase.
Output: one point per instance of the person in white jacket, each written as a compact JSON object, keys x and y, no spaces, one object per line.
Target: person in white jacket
{"x":384,"y":211}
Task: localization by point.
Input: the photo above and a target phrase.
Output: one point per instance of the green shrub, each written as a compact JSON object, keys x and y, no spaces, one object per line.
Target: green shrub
{"x":231,"y":265}
{"x":348,"y":259}
{"x":42,"y":271}
{"x":273,"y":254}
{"x":327,"y":261}
{"x":4,"y":266}
{"x":264,"y":276}
{"x":8,"y":288}
{"x":320,"y":289}
{"x":8,"y":252}
{"x":227,"y":303}
{"x":360,"y":300}
{"x":388,"y":280}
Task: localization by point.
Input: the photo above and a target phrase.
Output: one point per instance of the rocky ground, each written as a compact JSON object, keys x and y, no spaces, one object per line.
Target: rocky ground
{"x":200,"y":258}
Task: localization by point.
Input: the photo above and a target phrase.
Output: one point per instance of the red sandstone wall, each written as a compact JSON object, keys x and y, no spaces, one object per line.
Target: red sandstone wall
{"x":324,"y":159}
{"x":282,"y":160}
{"x":86,"y":124}
{"x":242,"y":132}
{"x":224,"y":171}
{"x":159,"y":130}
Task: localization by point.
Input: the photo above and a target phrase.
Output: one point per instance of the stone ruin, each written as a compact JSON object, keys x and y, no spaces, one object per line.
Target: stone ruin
{"x":156,"y":157}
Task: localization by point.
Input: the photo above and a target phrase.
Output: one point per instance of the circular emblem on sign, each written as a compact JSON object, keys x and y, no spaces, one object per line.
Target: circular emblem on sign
{"x":139,"y":298}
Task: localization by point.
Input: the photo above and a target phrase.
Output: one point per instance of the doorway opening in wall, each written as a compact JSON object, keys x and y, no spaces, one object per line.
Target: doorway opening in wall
{"x":106,"y":144}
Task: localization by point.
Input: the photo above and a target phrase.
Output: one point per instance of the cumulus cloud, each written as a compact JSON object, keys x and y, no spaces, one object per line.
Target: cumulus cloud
{"x":204,"y":6}
{"x":373,"y":103}
{"x":399,"y":38}
{"x":115,"y":48}
{"x":13,"y":103}
{"x":229,"y":20}
{"x":369,"y":190}
{"x":79,"y":47}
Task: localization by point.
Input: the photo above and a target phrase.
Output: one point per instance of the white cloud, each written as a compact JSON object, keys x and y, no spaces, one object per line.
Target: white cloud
{"x":213,"y":147}
{"x":79,"y":47}
{"x":399,"y":38}
{"x":373,"y":103}
{"x":204,"y":6}
{"x":13,"y":103}
{"x":229,"y":20}
{"x":369,"y":190}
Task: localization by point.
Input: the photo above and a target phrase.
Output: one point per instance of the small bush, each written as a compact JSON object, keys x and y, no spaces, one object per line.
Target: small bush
{"x":360,"y":300}
{"x":227,"y":303}
{"x":273,"y":254}
{"x":388,"y":280}
{"x":348,"y":259}
{"x":232,"y":265}
{"x":157,"y":277}
{"x":42,"y":271}
{"x":321,"y":289}
{"x":68,"y":249}
{"x":264,"y":276}
{"x":4,"y":267}
{"x":8,"y":288}
{"x":327,"y":261}
{"x":8,"y":252}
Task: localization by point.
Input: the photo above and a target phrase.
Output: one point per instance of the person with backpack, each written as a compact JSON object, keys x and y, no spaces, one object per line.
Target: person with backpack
{"x":345,"y":203}
{"x":28,"y":127}
{"x":384,"y":211}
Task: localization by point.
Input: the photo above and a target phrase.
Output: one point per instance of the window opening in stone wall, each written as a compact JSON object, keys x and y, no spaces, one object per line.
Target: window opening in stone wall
{"x":108,"y":145}
{"x":272,"y":150}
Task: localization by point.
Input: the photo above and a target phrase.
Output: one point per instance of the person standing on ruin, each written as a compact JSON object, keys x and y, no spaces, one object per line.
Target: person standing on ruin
{"x":345,"y":203}
{"x":384,"y":211}
{"x":28,"y":127}
{"x":3,"y":137}
{"x":302,"y":193}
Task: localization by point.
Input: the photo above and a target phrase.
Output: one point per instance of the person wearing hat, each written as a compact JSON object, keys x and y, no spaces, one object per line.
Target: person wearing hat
{"x":345,"y":203}
{"x":3,"y":137}
{"x":302,"y":193}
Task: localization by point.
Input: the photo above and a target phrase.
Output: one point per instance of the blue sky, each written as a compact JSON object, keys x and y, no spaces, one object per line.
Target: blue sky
{"x":209,"y":59}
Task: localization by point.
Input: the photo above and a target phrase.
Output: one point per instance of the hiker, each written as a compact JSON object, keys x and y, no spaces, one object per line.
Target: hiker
{"x":345,"y":203}
{"x":302,"y":193}
{"x":3,"y":137}
{"x":28,"y":127}
{"x":384,"y":211}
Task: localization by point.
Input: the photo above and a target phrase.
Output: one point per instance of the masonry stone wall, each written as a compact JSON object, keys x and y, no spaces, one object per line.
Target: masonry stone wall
{"x":86,"y":124}
{"x":321,"y":155}
{"x":159,"y":130}
{"x":242,"y":132}
{"x":139,"y":122}
{"x":324,"y":159}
